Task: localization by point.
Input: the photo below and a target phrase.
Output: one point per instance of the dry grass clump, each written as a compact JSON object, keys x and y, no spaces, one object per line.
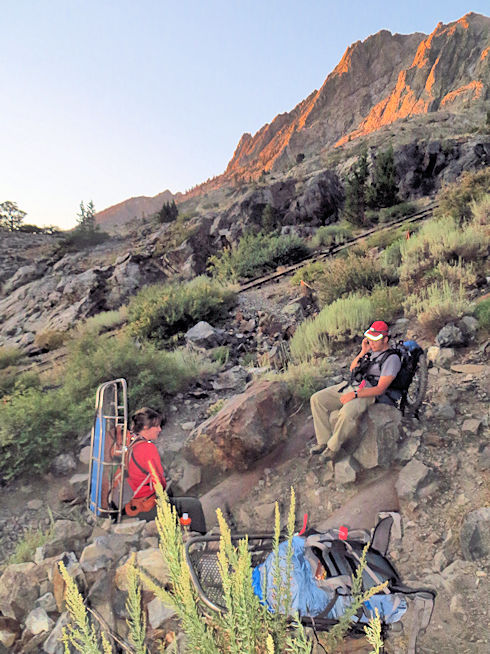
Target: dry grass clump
{"x":50,"y":339}
{"x":347,"y":275}
{"x":437,"y":305}
{"x":442,"y":240}
{"x":334,"y":234}
{"x":305,"y":378}
{"x":9,"y":356}
{"x":105,"y":321}
{"x":455,"y":200}
{"x":342,"y":320}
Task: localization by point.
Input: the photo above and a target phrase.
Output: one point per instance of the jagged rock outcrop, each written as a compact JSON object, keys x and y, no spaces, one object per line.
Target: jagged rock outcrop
{"x":385,"y":78}
{"x":66,"y":293}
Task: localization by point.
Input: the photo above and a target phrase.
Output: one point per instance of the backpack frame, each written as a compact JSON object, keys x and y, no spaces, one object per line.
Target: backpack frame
{"x":340,"y":559}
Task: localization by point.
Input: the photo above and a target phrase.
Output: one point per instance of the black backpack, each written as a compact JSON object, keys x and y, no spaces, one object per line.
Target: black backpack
{"x":410,"y":383}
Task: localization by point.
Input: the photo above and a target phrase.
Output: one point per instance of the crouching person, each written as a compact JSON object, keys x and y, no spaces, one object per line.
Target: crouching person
{"x":139,"y":495}
{"x":372,"y":372}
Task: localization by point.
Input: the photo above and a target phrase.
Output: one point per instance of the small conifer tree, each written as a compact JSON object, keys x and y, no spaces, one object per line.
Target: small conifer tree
{"x":11,"y":217}
{"x":86,"y":218}
{"x":168,"y":213}
{"x":383,"y":191}
{"x":355,"y":190}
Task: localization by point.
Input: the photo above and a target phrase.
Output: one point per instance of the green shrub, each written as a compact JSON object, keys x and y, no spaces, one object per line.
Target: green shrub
{"x":159,"y":311}
{"x":255,"y":255}
{"x":482,"y":313}
{"x":392,"y":256}
{"x":332,"y":234}
{"x":151,"y":374}
{"x":388,"y":214}
{"x":81,"y":239}
{"x":343,"y":319}
{"x":32,"y":427}
{"x":455,"y":200}
{"x":309,"y":273}
{"x":35,"y":424}
{"x":454,"y":274}
{"x":12,"y":380}
{"x":220,"y":354}
{"x":104,"y":321}
{"x":9,"y":356}
{"x":26,"y":547}
{"x":303,"y":379}
{"x":341,"y":276}
{"x":384,"y":238}
{"x":436,"y":305}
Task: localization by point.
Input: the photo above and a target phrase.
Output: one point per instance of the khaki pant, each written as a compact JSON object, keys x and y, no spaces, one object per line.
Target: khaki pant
{"x":324,"y":403}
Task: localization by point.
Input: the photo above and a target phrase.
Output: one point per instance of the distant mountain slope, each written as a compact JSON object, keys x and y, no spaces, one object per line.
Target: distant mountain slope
{"x":138,"y":207}
{"x":378,"y":81}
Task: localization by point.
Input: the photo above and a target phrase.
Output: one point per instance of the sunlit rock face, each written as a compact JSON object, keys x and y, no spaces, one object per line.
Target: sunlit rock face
{"x":378,"y":81}
{"x":382,"y":81}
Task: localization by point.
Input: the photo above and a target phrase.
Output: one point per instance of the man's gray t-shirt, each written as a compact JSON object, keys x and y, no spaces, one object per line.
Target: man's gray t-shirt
{"x":389,"y":368}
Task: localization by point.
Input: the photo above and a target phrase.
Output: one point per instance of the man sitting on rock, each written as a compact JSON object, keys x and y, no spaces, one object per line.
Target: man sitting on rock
{"x":353,"y":399}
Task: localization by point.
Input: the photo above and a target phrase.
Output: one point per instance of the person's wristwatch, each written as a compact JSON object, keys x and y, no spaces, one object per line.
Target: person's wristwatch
{"x":355,"y":393}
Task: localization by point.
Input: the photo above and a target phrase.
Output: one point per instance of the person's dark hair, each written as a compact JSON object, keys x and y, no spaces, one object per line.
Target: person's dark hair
{"x":145,"y":417}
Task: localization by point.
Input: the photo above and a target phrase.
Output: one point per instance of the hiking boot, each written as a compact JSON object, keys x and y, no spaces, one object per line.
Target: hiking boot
{"x":317,"y":449}
{"x":327,"y":455}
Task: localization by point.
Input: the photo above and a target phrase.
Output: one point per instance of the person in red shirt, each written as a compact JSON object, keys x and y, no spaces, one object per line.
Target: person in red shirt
{"x":146,"y":427}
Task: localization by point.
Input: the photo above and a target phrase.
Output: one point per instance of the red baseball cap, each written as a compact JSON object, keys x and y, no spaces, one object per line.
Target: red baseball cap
{"x":377,"y":330}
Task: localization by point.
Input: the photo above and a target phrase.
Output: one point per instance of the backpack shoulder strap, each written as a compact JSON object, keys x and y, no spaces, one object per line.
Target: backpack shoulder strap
{"x":387,"y":353}
{"x":136,"y":441}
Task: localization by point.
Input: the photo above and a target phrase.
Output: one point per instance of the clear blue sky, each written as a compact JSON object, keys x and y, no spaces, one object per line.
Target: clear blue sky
{"x":108,"y":99}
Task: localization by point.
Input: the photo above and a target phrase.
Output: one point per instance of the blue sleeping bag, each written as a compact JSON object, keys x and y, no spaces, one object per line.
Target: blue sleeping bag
{"x":307,"y":599}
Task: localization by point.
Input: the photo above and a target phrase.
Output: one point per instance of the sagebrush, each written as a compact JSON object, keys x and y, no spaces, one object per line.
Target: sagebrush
{"x":159,"y":311}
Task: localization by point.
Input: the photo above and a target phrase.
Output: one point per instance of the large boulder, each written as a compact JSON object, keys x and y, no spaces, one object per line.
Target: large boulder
{"x":319,"y":201}
{"x":475,"y":534}
{"x":24,"y":275}
{"x":9,"y":631}
{"x":19,"y":589}
{"x":381,"y":431}
{"x":150,"y":561}
{"x":249,"y":426}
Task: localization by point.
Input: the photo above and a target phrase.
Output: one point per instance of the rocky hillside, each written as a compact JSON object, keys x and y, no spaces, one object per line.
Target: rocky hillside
{"x":433,"y":470}
{"x":386,"y":80}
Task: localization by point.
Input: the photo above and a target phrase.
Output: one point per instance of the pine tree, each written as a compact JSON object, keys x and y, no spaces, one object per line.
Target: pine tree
{"x":168,"y":213}
{"x":383,"y":191}
{"x":355,"y":190}
{"x":11,"y":217}
{"x":86,"y":218}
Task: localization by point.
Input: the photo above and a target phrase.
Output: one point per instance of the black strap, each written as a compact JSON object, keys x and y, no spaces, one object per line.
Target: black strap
{"x":133,"y":458}
{"x":330,"y":605}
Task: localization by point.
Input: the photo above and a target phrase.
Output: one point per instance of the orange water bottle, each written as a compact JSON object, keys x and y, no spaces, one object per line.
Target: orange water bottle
{"x":185,"y":523}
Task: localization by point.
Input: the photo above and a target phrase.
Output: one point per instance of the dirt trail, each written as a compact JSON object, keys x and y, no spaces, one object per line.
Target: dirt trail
{"x":360,"y":511}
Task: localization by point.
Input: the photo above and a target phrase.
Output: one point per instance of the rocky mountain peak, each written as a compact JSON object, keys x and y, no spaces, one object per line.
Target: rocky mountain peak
{"x":379,"y":81}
